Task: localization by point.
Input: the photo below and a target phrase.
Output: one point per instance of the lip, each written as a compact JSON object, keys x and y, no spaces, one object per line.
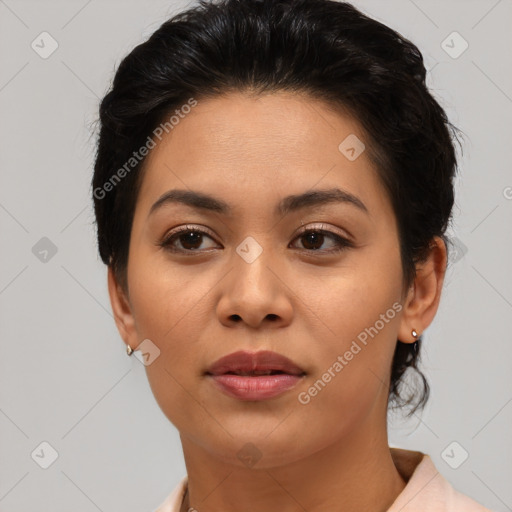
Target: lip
{"x":247,"y":362}
{"x":254,"y":387}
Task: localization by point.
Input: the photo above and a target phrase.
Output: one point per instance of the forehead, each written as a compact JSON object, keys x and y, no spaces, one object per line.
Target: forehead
{"x":280,"y":124}
{"x":267,"y":146}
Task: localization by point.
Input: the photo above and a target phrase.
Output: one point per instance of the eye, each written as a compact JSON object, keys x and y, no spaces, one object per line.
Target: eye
{"x":314,"y":238}
{"x":189,"y":237}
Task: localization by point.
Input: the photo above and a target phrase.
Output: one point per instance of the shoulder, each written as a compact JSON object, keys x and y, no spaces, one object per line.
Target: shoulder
{"x":173,"y":502}
{"x":427,"y":490}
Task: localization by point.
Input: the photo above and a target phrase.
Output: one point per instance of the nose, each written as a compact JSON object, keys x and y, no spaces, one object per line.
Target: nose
{"x":255,"y":293}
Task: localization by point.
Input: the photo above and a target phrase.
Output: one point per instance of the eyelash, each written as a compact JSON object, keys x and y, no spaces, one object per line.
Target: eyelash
{"x":343,"y":243}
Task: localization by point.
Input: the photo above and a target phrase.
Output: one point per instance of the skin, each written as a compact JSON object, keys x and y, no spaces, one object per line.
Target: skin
{"x":333,"y":453}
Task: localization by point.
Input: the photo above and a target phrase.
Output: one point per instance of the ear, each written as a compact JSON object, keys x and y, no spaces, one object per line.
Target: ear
{"x":122,"y":311}
{"x":422,"y":302}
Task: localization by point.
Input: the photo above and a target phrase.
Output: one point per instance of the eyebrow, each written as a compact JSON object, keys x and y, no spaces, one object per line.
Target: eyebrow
{"x":287,"y":205}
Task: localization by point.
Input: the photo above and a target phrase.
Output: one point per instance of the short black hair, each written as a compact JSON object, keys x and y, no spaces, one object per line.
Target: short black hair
{"x":327,"y":49}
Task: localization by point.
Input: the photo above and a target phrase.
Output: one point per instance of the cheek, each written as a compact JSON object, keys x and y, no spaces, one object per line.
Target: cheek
{"x":353,"y":364}
{"x":163,"y":296}
{"x":344,"y":304}
{"x":356,"y":318}
{"x":171,"y":309}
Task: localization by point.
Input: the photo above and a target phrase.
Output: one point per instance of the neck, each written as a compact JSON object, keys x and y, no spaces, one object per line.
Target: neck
{"x":356,"y":473}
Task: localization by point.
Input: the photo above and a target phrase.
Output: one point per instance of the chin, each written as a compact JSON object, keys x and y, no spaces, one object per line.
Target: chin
{"x":271,"y":449}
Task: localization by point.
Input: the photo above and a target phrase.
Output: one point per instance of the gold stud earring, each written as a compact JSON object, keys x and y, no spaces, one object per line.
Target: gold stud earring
{"x":129,"y":350}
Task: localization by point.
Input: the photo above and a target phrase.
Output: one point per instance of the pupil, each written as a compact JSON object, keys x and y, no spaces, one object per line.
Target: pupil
{"x":191,"y":238}
{"x":312,"y":238}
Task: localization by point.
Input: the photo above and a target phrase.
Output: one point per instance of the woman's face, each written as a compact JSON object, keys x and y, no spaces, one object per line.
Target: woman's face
{"x":251,"y":281}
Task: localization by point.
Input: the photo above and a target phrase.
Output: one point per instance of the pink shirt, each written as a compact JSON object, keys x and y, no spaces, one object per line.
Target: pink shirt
{"x":426,"y":490}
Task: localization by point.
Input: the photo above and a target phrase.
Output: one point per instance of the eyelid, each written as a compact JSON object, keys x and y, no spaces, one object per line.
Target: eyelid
{"x":186,"y":228}
{"x":166,"y":241}
{"x":304,"y":228}
{"x":324,"y":227}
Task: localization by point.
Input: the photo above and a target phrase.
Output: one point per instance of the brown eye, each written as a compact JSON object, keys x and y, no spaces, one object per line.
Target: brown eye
{"x":314,"y":239}
{"x":190,"y":240}
{"x":185,"y":239}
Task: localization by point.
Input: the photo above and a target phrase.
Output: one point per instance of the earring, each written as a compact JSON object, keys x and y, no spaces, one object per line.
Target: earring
{"x":414,"y":333}
{"x":129,"y":350}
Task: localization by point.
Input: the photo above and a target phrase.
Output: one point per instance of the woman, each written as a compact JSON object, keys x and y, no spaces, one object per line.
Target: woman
{"x":272,"y":189}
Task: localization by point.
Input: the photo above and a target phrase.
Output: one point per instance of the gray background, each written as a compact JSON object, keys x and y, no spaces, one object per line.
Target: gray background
{"x":65,"y":378}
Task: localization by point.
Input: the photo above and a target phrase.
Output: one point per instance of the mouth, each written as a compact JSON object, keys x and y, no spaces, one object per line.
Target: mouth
{"x":255,"y":376}
{"x":255,"y":387}
{"x":255,"y":363}
{"x":257,"y":373}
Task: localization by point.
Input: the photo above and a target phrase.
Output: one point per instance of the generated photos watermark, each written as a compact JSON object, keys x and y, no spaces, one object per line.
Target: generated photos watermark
{"x":344,"y":359}
{"x":143,"y":151}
